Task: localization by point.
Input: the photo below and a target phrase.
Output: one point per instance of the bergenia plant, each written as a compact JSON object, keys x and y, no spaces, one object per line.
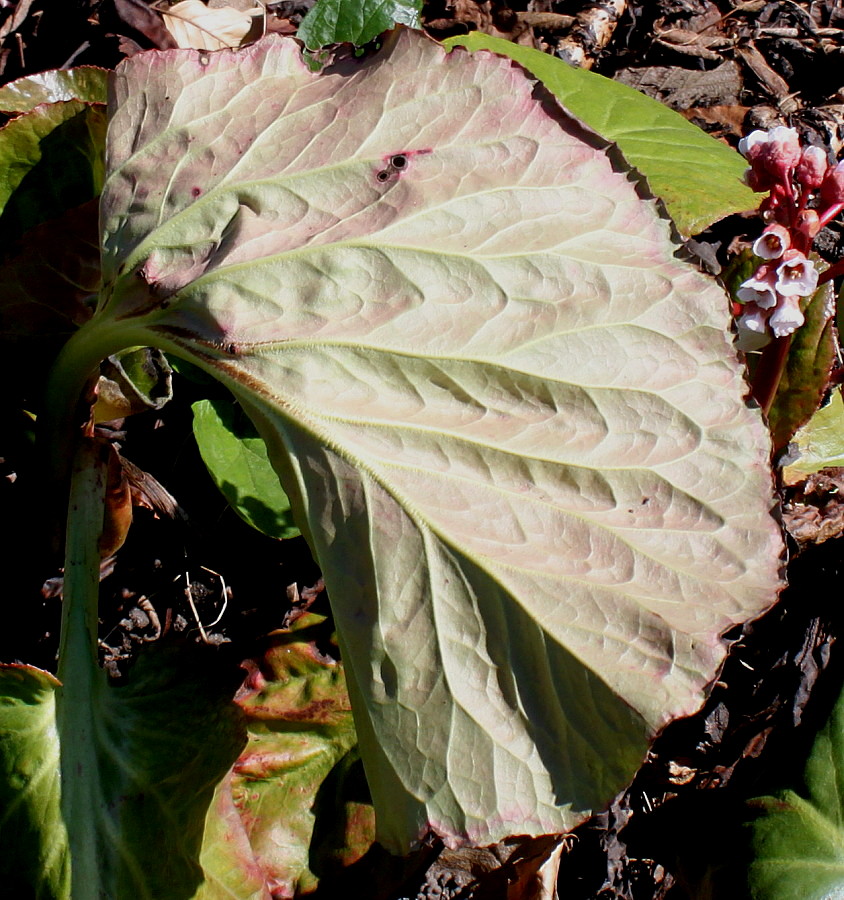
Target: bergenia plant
{"x":805,"y":193}
{"x":508,"y":416}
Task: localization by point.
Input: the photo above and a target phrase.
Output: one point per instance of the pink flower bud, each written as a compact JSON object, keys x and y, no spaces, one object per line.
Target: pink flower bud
{"x":782,"y":150}
{"x":832,"y":189}
{"x":752,"y":144}
{"x":796,"y":275}
{"x":776,"y":153}
{"x":760,"y":289}
{"x":786,"y":318}
{"x":758,"y":181}
{"x":808,"y":225}
{"x":811,"y":168}
{"x":772,"y":243}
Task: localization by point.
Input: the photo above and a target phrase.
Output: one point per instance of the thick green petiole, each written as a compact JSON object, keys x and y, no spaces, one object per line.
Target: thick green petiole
{"x":79,"y":672}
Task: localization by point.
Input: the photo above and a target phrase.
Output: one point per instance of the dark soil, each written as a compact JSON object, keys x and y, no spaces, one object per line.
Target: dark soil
{"x":727,"y":67}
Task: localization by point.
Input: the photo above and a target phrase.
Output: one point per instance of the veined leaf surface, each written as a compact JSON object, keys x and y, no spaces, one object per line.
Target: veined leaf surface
{"x":698,"y":177}
{"x":509,"y":419}
{"x":263,"y":829}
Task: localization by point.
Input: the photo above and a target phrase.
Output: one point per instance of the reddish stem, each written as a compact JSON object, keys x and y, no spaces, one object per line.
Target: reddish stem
{"x":829,"y":214}
{"x":833,"y":271}
{"x":788,"y":190}
{"x":768,"y":374}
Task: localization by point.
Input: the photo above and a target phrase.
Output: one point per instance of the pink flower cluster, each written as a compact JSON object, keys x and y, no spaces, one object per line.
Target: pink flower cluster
{"x":806,"y":192}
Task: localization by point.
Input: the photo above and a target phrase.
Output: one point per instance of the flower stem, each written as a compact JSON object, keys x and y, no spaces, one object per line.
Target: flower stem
{"x":830,"y":272}
{"x":768,"y":374}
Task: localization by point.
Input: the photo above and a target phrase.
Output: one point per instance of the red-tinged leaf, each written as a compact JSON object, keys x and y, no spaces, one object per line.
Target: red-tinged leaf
{"x":698,"y":177}
{"x":262,"y":827}
{"x":805,"y":379}
{"x":508,"y":416}
{"x":86,"y":83}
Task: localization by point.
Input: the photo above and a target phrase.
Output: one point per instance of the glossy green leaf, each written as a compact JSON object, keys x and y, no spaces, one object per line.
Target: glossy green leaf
{"x":821,"y":441}
{"x":261,"y":828}
{"x":798,"y":839}
{"x":355,"y":21}
{"x":236,"y":457}
{"x":805,"y":378}
{"x":34,"y":860}
{"x":698,"y":178}
{"x":86,"y":83}
{"x":51,"y":160}
{"x":510,"y":420}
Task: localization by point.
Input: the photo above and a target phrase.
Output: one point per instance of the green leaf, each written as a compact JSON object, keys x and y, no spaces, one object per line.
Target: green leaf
{"x":510,"y":420}
{"x":261,"y":826}
{"x":698,"y":178}
{"x":34,"y":860}
{"x":236,"y":457}
{"x":86,"y":83}
{"x":805,"y":378}
{"x":162,"y":741}
{"x":355,"y":21}
{"x":821,"y":441}
{"x":136,"y":762}
{"x":51,"y":160}
{"x":798,"y":839}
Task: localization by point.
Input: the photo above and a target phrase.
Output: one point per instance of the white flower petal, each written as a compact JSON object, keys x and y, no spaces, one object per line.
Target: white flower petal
{"x":797,"y":278}
{"x":772,"y":243}
{"x":786,"y":320}
{"x":748,"y":143}
{"x":764,"y":297}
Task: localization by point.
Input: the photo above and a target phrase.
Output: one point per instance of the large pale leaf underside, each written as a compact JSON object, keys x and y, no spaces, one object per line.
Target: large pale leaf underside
{"x":509,"y":419}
